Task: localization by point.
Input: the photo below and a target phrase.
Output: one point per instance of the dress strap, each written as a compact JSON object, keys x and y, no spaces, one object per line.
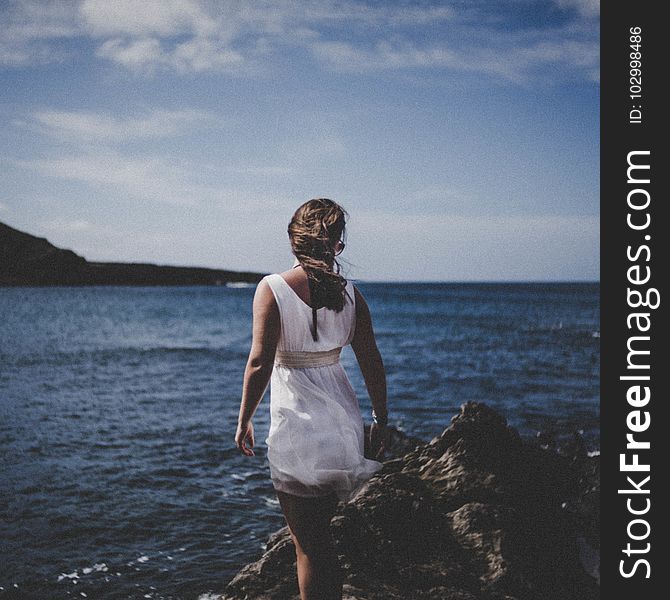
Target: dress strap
{"x":300,"y":360}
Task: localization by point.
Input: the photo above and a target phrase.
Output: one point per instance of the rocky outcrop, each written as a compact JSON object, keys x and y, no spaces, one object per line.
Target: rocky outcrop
{"x":476,"y":513}
{"x":26,"y":260}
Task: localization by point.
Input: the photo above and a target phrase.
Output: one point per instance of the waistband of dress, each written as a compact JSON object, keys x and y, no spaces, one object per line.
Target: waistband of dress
{"x":301,"y":360}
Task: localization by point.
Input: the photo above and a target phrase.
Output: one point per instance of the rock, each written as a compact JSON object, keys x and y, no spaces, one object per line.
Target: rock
{"x":277,"y":561}
{"x":474,"y":514}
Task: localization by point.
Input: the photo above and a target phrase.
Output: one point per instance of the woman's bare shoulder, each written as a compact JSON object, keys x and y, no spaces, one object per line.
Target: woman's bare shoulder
{"x":297,"y":281}
{"x":264,"y":293}
{"x":293,"y":274}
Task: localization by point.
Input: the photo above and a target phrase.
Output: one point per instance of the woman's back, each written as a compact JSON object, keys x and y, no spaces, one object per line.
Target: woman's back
{"x":335,"y":329}
{"x":315,"y":443}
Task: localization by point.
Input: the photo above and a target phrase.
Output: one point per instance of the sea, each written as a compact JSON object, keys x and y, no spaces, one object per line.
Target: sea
{"x":119,"y":475}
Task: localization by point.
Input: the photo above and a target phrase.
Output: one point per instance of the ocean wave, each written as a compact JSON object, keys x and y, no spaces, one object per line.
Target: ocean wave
{"x":121,"y":404}
{"x":124,"y":354}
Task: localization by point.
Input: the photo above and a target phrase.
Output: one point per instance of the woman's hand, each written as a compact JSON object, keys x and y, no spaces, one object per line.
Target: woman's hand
{"x":379,"y":440}
{"x":245,"y":431}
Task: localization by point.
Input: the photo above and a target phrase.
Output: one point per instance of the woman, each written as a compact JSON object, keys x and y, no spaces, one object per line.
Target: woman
{"x":301,"y":319}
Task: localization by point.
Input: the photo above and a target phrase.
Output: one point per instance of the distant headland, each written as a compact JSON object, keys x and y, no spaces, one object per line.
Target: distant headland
{"x":27,"y":260}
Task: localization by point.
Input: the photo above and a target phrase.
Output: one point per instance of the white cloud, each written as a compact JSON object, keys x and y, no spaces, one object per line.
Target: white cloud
{"x":29,"y":29}
{"x":151,"y":178}
{"x":384,"y":55}
{"x":102,"y":161}
{"x":201,"y":54}
{"x":150,"y":17}
{"x":156,"y":180}
{"x":521,"y":63}
{"x":134,"y":54}
{"x":352,"y":12}
{"x":586,"y":8}
{"x":148,"y":54}
{"x":236,"y":37}
{"x":103,"y":127}
{"x":509,"y":59}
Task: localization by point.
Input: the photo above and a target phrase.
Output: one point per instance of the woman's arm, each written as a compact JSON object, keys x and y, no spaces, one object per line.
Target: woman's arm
{"x":370,"y":361}
{"x":265,"y":335}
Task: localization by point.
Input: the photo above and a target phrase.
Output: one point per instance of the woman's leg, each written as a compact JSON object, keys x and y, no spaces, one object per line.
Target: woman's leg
{"x":308,"y":520}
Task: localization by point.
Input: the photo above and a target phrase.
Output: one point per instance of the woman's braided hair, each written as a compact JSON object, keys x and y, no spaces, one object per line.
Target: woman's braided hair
{"x":314,"y":230}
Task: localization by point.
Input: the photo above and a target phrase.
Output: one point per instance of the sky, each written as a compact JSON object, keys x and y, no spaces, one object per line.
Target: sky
{"x":462,"y":137}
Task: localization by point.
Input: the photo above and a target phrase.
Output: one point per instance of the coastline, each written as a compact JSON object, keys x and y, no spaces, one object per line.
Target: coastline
{"x":30,"y":261}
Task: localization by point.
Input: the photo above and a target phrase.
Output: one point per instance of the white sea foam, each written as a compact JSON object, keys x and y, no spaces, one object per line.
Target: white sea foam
{"x":97,"y":567}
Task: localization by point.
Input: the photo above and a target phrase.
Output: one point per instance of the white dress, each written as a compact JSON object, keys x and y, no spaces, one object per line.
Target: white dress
{"x":315,"y":442}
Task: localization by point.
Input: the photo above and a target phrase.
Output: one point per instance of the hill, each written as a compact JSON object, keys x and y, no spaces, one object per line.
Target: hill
{"x":27,"y":260}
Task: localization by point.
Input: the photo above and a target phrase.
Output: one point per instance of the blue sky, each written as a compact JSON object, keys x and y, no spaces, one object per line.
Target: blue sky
{"x":461,"y":137}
